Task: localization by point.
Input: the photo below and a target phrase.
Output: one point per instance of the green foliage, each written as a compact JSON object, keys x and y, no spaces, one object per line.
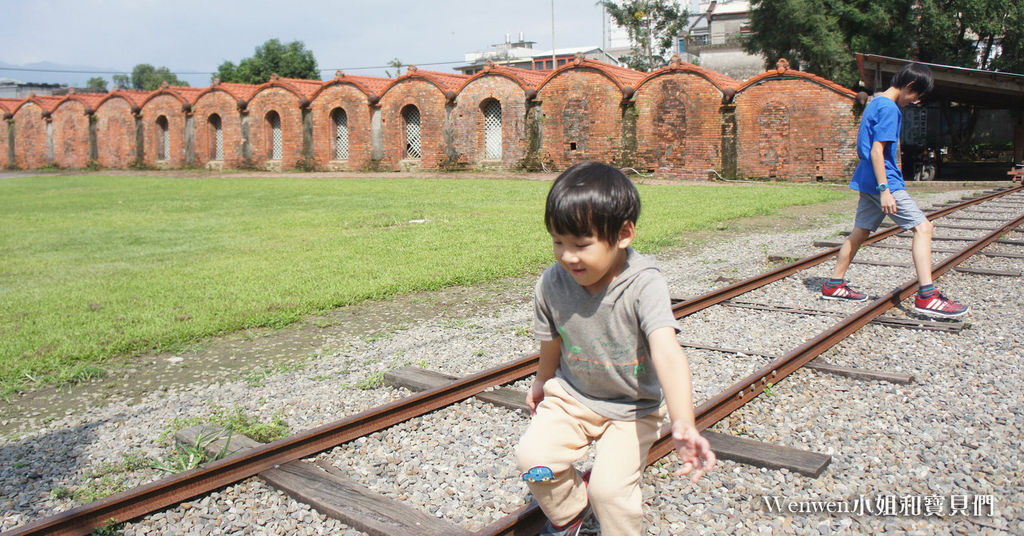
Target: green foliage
{"x":822,"y":36}
{"x":96,"y":82}
{"x":372,"y":381}
{"x":287,"y":61}
{"x":145,"y":77}
{"x":397,"y":64}
{"x":107,"y":479}
{"x":257,"y":377}
{"x":236,"y":420}
{"x":651,"y":25}
{"x":191,"y":456}
{"x":110,"y":528}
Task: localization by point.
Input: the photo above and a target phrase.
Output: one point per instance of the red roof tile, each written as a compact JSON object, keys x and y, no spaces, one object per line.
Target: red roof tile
{"x":790,"y":73}
{"x":369,"y":84}
{"x":305,"y":88}
{"x":447,"y":81}
{"x":720,"y":80}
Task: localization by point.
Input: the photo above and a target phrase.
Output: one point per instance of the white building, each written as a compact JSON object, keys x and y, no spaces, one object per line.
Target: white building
{"x":521,"y":54}
{"x":714,"y":38}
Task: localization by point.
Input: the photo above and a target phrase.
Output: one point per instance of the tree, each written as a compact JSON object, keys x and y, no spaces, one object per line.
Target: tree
{"x":652,"y":26}
{"x":822,"y":36}
{"x":288,"y":61}
{"x":96,"y":82}
{"x":397,"y":64}
{"x":147,"y":78}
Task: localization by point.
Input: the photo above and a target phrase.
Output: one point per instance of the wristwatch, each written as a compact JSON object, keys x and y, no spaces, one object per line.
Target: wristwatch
{"x":882,"y":187}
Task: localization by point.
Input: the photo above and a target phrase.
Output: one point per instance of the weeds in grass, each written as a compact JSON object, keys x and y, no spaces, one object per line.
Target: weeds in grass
{"x":236,"y":420}
{"x":377,"y":336}
{"x":372,"y":381}
{"x":109,"y":478}
{"x":110,"y":528}
{"x":190,"y":456}
{"x":257,"y":377}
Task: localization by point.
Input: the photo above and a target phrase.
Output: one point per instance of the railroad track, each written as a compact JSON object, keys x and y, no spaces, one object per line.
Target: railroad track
{"x":172,"y":490}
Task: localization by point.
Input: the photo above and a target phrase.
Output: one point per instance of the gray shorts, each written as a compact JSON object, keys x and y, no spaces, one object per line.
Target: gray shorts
{"x":870,"y":215}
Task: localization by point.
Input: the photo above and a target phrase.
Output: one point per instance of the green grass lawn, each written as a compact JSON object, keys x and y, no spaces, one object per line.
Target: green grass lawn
{"x":97,"y":267}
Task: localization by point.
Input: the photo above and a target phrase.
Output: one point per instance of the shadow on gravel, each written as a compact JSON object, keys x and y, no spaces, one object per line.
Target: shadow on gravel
{"x":34,"y":468}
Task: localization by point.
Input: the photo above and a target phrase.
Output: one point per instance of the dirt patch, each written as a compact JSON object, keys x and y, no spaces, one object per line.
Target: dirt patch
{"x":251,"y":353}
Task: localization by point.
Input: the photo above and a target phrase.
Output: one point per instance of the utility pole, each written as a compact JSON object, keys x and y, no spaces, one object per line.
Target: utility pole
{"x":554,"y":62}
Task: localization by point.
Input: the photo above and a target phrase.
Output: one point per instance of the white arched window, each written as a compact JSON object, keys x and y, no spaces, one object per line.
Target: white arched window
{"x":339,"y":120}
{"x":492,"y":130}
{"x":163,"y":138}
{"x":411,"y":118}
{"x":216,"y":138}
{"x":274,"y":148}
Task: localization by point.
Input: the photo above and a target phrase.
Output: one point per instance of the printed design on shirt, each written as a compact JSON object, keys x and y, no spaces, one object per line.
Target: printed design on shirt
{"x":608,"y":354}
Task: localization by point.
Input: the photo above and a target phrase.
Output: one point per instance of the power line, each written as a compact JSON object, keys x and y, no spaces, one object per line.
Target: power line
{"x":24,"y":69}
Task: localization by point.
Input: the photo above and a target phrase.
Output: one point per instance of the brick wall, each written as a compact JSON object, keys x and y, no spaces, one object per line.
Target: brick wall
{"x":582,"y":118}
{"x":430,"y":100}
{"x":353,"y":102}
{"x":467,"y":121}
{"x":679,"y":122}
{"x":225,"y":107}
{"x":30,"y":148}
{"x":795,"y":129}
{"x":286,"y":105}
{"x":678,"y":125}
{"x":115,"y":134}
{"x":70,"y":135}
{"x":169,"y":107}
{"x":5,"y":145}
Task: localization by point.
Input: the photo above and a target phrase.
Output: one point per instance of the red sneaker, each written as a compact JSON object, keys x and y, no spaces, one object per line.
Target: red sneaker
{"x":841,"y":292}
{"x":571,"y":528}
{"x":939,"y":305}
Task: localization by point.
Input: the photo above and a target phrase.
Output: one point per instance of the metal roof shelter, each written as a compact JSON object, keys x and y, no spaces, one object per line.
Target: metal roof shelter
{"x":987,"y":89}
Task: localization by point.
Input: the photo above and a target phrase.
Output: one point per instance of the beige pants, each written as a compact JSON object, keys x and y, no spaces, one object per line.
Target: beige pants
{"x":560,"y":434}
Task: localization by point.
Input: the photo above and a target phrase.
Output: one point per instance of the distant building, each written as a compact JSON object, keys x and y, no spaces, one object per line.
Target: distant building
{"x":16,"y":89}
{"x":522,"y":55}
{"x":714,"y":39}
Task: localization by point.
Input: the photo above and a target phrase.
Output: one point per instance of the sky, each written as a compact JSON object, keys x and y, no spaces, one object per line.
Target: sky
{"x":196,"y":36}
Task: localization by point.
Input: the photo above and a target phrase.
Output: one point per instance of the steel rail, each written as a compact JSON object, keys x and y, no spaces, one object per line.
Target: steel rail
{"x":529,"y":518}
{"x":171,"y":490}
{"x":183,"y":486}
{"x":688,"y":307}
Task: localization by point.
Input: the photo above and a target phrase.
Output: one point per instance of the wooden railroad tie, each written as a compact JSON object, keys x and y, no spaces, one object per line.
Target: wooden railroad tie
{"x":326,"y":489}
{"x":726,"y":447}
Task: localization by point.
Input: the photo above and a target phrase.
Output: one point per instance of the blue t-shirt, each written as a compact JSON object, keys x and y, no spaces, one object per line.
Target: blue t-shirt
{"x":881,"y":121}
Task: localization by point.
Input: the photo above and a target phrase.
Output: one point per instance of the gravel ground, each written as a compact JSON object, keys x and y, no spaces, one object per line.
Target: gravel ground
{"x":952,"y":438}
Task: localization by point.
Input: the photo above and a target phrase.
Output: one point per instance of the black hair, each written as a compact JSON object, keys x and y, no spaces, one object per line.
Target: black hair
{"x":591,"y":198}
{"x":915,"y":75}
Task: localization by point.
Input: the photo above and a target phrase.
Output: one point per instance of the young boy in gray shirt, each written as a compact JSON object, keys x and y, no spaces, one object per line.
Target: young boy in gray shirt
{"x":610,"y":365}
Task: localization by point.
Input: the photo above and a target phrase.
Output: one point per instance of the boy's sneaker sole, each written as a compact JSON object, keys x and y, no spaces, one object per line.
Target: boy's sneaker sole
{"x":843,"y":293}
{"x":841,"y":298}
{"x":941,"y":314}
{"x":572,"y":529}
{"x":938,"y":305}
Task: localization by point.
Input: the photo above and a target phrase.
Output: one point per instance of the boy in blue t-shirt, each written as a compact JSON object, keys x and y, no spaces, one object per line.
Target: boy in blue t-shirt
{"x":883,"y":193}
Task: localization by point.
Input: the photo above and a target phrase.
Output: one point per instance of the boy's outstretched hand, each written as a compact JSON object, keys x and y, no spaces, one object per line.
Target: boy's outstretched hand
{"x":694,"y":451}
{"x":534,"y":396}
